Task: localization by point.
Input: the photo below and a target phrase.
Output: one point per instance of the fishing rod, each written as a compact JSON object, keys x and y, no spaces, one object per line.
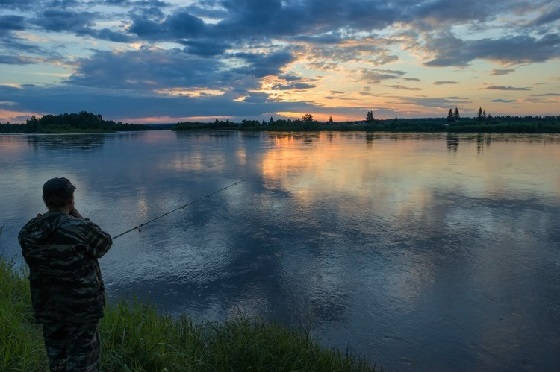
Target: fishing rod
{"x":189,"y":203}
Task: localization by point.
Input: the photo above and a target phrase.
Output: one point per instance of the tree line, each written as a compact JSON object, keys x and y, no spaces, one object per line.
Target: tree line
{"x":74,"y":122}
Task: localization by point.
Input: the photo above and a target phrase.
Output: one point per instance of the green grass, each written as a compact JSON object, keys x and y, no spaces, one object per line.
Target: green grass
{"x":136,"y":337}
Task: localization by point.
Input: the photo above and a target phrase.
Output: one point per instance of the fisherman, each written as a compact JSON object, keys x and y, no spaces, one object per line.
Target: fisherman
{"x":62,"y":250}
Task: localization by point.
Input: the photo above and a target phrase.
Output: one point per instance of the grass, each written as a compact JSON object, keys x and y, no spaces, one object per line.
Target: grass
{"x":136,"y":337}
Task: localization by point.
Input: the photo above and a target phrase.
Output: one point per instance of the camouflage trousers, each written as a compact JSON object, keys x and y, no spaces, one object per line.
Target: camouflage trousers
{"x":71,"y":347}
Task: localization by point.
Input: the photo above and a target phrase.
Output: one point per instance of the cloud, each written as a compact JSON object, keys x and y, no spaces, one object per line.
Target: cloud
{"x":548,"y":16}
{"x":205,"y":47}
{"x":296,"y":85}
{"x":403,"y":87}
{"x":179,"y":25}
{"x":438,"y":12}
{"x":16,"y":60}
{"x":502,"y":71}
{"x":508,"y":87}
{"x":364,"y":51}
{"x":546,"y":95}
{"x":151,"y":69}
{"x":501,"y":100}
{"x":78,"y":22}
{"x":148,"y":69}
{"x":16,"y":4}
{"x":263,"y":64}
{"x":374,"y":76}
{"x":444,"y":82}
{"x":435,"y":102}
{"x":65,"y":20}
{"x":11,"y":23}
{"x":276,"y":18}
{"x":411,"y":79}
{"x":118,"y":104}
{"x":451,"y":51}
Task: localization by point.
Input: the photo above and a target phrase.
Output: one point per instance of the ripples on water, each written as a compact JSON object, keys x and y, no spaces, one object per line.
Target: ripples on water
{"x":423,"y":252}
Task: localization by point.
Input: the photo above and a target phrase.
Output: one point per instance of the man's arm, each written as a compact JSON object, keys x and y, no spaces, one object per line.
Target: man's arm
{"x":98,"y":241}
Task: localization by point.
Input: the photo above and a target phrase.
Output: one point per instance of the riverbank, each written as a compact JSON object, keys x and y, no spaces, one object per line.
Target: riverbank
{"x":467,"y":125}
{"x":136,"y":337}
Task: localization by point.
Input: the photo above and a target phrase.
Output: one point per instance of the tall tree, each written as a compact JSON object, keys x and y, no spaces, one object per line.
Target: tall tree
{"x":330,"y":119}
{"x":307,"y":118}
{"x":480,"y":113}
{"x":450,"y":115}
{"x":456,"y":114}
{"x":369,"y":116}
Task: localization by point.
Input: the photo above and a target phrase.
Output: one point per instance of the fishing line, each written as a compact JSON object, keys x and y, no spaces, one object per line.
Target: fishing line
{"x":138,"y":227}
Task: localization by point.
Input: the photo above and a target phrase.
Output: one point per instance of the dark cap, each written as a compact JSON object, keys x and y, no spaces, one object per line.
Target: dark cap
{"x":58,"y":186}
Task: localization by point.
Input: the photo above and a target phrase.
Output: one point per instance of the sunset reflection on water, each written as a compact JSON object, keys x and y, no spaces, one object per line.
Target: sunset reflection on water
{"x":419,"y":251}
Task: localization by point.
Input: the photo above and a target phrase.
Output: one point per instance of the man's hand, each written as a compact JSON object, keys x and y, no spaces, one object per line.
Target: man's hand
{"x":74,"y":213}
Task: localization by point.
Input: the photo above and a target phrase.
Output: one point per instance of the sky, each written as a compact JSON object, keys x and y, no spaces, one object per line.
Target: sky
{"x":164,"y":61}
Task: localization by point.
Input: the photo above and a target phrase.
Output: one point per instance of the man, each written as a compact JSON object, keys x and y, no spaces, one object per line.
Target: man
{"x":61,"y":249}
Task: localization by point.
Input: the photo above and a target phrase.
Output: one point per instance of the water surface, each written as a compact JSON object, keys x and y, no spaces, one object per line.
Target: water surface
{"x":421,"y":252}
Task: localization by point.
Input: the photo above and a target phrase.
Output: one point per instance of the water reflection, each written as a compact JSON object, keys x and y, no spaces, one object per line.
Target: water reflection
{"x":66,"y":142}
{"x":422,"y":251}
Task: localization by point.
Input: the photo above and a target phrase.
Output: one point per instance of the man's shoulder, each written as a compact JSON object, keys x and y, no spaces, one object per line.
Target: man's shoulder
{"x":49,"y":225}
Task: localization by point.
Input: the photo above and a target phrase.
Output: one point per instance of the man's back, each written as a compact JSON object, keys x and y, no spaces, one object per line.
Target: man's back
{"x":62,"y":251}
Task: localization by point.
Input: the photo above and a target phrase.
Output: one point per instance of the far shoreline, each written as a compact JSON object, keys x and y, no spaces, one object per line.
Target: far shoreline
{"x":88,"y":123}
{"x":271,"y":130}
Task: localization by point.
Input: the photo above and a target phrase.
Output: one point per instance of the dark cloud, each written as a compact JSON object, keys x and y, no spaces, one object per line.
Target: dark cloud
{"x":12,"y":46}
{"x":65,"y":20}
{"x":502,"y":71}
{"x":546,"y":95}
{"x":276,"y":18}
{"x":508,"y":87}
{"x":118,"y":104}
{"x":11,"y":23}
{"x":290,"y":86}
{"x":203,"y":10}
{"x":137,"y":3}
{"x":444,"y":102}
{"x":16,"y":60}
{"x":78,"y":22}
{"x":501,"y":100}
{"x":365,"y":50}
{"x":375,"y":76}
{"x":403,"y":87}
{"x":110,"y":35}
{"x":548,"y":16}
{"x":16,"y":4}
{"x":149,"y":69}
{"x":451,"y":51}
{"x":179,"y":25}
{"x":205,"y":47}
{"x":260,"y":65}
{"x":444,"y":82}
{"x":411,"y":79}
{"x":453,"y":11}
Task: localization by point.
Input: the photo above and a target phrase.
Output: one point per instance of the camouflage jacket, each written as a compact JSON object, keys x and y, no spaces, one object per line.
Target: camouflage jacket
{"x":61,"y":252}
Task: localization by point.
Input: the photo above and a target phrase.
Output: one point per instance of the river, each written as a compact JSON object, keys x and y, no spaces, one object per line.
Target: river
{"x":422,"y":252}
